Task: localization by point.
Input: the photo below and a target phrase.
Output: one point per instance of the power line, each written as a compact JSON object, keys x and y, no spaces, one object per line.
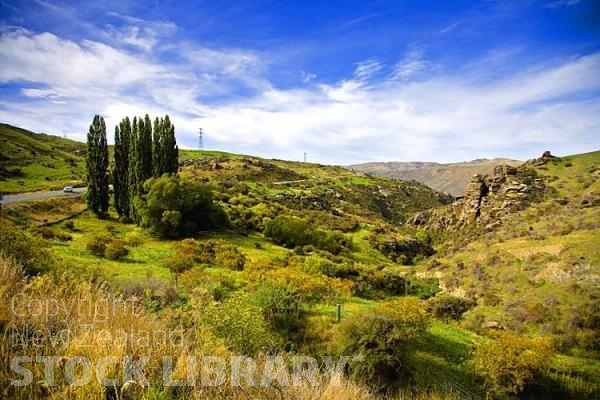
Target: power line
{"x":200,"y":139}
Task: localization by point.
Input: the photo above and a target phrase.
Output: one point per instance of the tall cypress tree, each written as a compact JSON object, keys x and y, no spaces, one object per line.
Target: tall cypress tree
{"x":140,"y":163}
{"x":133,"y":169}
{"x":169,"y":146}
{"x":157,"y":145}
{"x":145,"y":150}
{"x":121,"y":168}
{"x":96,"y":163}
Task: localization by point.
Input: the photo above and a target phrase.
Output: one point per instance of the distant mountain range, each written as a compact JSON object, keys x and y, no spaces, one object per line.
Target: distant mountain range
{"x":449,"y":178}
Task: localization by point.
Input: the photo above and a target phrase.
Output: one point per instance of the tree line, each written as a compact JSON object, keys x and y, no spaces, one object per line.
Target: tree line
{"x":143,"y":149}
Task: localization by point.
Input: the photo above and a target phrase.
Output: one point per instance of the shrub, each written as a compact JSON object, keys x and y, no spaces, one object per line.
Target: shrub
{"x":230,"y":257}
{"x":177,"y":207}
{"x":46,"y":233}
{"x":385,"y":335}
{"x":70,"y":225}
{"x":333,"y":242}
{"x":49,"y":234}
{"x":510,"y":362}
{"x":115,"y":250}
{"x":282,"y":311}
{"x":293,"y":232}
{"x":389,"y":282}
{"x":449,"y":307}
{"x":97,"y":246}
{"x":334,"y":270}
{"x":178,"y":264}
{"x":288,"y":231}
{"x":239,"y":323}
{"x":207,"y":251}
{"x":400,"y":250}
{"x":423,"y":288}
{"x":28,"y":250}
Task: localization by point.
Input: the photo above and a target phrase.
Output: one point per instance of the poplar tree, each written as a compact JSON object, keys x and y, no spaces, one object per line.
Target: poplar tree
{"x":170,"y":148}
{"x":133,"y":169}
{"x":145,"y":150}
{"x":96,"y":163}
{"x":158,"y":160}
{"x":121,"y":168}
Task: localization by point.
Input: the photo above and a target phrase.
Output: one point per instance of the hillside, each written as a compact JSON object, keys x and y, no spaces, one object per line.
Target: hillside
{"x":421,"y":280}
{"x":448,"y":178}
{"x":528,"y":255}
{"x":36,"y":161}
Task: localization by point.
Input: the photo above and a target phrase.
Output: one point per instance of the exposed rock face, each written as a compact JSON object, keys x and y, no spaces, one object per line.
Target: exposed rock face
{"x":489,"y":200}
{"x":544,"y":159}
{"x":471,"y":203}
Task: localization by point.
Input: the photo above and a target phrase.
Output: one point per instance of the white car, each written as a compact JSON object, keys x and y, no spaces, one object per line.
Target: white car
{"x":68,"y":189}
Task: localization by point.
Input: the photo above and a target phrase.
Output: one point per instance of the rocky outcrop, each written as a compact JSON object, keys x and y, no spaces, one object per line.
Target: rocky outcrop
{"x":471,"y":203}
{"x":544,"y":159}
{"x":489,"y":200}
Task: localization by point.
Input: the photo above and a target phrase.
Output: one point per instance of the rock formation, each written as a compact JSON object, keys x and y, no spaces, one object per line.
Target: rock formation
{"x":489,"y":200}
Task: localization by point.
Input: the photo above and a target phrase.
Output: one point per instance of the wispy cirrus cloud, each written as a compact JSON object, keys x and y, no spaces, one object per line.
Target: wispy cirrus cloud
{"x":412,"y":65}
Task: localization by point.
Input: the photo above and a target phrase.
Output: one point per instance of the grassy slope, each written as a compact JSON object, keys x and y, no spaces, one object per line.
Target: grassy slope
{"x":565,"y":231}
{"x":540,"y":269}
{"x":45,"y":161}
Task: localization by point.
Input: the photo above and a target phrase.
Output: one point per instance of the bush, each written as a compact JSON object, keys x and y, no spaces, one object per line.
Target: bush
{"x":228,"y":256}
{"x":70,"y":225}
{"x":177,"y":207}
{"x":423,"y":288}
{"x":449,"y":307}
{"x":386,"y":336}
{"x":178,"y":264}
{"x":115,"y":250}
{"x":288,"y":231}
{"x":510,"y":362}
{"x":49,"y":234}
{"x":97,"y":246}
{"x":282,"y":311}
{"x":240,"y":323}
{"x":399,"y":249}
{"x":293,"y":232}
{"x":28,"y":250}
{"x":389,"y":282}
{"x":207,"y":251}
{"x":333,"y":242}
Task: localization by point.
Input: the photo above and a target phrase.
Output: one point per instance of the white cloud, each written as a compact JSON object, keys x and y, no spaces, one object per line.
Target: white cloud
{"x":364,"y":117}
{"x":366,"y":69}
{"x":412,"y":65}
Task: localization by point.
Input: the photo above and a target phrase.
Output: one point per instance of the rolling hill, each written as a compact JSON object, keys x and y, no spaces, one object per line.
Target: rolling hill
{"x":518,"y":253}
{"x":448,"y":178}
{"x":36,"y":161}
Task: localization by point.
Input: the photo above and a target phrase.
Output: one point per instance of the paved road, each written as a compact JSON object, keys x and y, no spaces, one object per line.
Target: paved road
{"x":14,"y":198}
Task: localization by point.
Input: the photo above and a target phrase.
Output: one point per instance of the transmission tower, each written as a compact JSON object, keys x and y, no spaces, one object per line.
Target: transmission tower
{"x":64,"y":133}
{"x":200,"y":139}
{"x":304,"y":156}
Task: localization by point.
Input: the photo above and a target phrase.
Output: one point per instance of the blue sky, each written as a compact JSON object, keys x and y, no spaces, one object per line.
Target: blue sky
{"x":344,"y":81}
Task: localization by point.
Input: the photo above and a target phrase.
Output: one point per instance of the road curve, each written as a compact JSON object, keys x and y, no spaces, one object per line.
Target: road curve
{"x":15,"y":198}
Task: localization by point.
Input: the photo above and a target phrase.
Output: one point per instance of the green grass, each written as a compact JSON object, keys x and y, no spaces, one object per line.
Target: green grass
{"x":144,"y":260}
{"x":196,"y":154}
{"x":359,"y":180}
{"x":45,"y":161}
{"x":511,"y":261}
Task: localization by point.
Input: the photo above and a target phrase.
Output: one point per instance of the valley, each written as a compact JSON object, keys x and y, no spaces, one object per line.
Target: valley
{"x":432,"y":290}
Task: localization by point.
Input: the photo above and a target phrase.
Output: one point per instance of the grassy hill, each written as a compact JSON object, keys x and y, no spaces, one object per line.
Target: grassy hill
{"x":448,"y":178}
{"x":36,"y":161}
{"x":534,"y":275}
